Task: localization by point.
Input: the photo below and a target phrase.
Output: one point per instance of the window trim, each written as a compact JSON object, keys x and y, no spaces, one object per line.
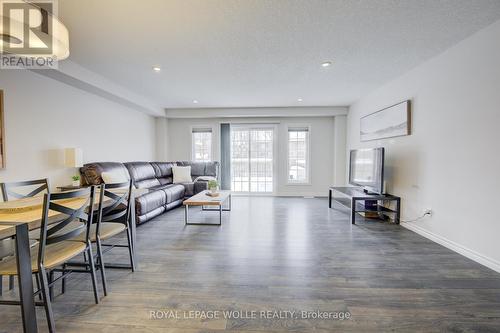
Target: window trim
{"x":201,"y":126}
{"x":307,"y":181}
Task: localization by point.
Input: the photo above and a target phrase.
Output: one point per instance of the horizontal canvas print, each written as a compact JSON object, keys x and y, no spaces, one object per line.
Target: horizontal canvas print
{"x":387,"y":123}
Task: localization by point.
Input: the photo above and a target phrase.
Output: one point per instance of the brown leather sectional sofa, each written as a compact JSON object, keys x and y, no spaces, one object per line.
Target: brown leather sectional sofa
{"x":157,"y":177}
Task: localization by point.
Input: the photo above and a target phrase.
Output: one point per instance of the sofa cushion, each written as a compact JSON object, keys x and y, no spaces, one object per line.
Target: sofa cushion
{"x":159,"y":187}
{"x":198,"y":169}
{"x":143,"y":174}
{"x":166,"y":180}
{"x":174,"y":192}
{"x":163,"y":169}
{"x":91,"y":172}
{"x":147,"y":183}
{"x":201,"y":168}
{"x":150,"y":201}
{"x":163,"y":172}
{"x":211,"y":169}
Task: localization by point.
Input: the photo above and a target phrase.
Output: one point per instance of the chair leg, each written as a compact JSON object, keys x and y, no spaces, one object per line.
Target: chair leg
{"x":92,"y":272}
{"x":1,"y":285}
{"x":63,"y":281}
{"x":101,"y":266}
{"x":38,"y":286}
{"x":51,"y":288}
{"x":130,"y":250}
{"x":46,"y":298}
{"x":11,"y":282}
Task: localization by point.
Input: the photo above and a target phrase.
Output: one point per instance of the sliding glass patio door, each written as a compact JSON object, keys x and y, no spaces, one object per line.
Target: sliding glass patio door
{"x":252,"y":158}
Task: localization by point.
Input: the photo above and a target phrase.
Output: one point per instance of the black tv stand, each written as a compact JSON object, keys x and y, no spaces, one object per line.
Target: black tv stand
{"x":365,"y":191}
{"x":352,"y":198}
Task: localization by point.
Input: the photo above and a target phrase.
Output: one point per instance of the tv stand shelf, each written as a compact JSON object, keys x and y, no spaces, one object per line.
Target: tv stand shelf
{"x":353,"y":198}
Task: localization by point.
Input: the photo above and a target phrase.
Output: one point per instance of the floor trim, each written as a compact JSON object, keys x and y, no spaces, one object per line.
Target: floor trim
{"x":280,"y":194}
{"x":473,"y":255}
{"x":302,"y":194}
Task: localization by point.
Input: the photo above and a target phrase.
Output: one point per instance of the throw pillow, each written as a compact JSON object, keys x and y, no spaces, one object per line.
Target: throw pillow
{"x":114,"y":177}
{"x":182,"y":174}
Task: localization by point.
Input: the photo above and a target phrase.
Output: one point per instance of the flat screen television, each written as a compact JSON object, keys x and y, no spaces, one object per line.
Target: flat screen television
{"x":366,"y":169}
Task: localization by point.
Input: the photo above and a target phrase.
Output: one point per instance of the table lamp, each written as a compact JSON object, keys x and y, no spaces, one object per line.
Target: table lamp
{"x":73,"y":158}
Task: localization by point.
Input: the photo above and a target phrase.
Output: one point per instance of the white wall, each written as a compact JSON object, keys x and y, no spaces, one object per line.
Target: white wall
{"x":44,"y":116}
{"x":161,"y":139}
{"x":451,"y":162}
{"x":321,"y":136}
{"x":339,"y":150}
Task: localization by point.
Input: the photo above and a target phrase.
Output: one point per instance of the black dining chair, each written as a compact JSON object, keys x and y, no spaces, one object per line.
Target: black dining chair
{"x":111,"y":219}
{"x":57,"y":245}
{"x":18,"y":190}
{"x":33,"y":186}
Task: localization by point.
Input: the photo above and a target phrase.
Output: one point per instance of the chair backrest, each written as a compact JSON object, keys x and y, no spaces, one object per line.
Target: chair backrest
{"x":8,"y":189}
{"x":53,"y":229}
{"x":117,"y":207}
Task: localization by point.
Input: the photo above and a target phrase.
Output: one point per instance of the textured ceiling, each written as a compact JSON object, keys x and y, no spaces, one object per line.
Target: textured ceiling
{"x":251,"y":53}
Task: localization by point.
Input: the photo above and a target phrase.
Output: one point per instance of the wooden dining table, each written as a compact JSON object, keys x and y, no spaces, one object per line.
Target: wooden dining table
{"x":17,"y":218}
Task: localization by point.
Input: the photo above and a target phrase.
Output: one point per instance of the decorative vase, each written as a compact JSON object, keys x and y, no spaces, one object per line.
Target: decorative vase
{"x":76,"y":183}
{"x":213,"y":190}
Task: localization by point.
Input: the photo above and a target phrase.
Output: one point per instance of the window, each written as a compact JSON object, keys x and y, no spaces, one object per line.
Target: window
{"x":202,"y":144}
{"x":298,"y":155}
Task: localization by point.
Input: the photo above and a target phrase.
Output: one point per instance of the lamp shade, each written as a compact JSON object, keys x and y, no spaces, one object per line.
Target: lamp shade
{"x":73,"y":157}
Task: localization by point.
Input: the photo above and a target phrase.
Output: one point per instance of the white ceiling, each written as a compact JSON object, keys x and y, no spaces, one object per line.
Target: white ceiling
{"x":256,"y":53}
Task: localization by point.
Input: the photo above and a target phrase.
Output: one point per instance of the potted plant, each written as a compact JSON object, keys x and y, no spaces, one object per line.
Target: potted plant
{"x":76,"y":180}
{"x":212,"y":186}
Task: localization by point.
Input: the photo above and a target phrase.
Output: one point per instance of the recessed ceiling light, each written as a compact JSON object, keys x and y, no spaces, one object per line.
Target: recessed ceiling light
{"x":157,"y":68}
{"x":299,"y":99}
{"x":195,"y":101}
{"x":326,"y":64}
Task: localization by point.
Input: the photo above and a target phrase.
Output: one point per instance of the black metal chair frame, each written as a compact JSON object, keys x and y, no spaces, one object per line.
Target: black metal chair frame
{"x":7,"y":190}
{"x":118,"y":211}
{"x":56,"y":233}
{"x":114,"y":215}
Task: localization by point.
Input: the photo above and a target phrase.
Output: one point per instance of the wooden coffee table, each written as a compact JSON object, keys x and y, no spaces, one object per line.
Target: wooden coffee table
{"x":202,"y":199}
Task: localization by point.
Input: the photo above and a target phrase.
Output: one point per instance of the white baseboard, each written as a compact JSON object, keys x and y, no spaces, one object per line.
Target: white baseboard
{"x":296,"y":195}
{"x":249,"y":194}
{"x":301,"y":195}
{"x":477,"y":257}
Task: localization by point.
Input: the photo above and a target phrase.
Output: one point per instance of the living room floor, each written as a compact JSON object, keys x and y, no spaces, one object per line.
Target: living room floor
{"x":288,"y":254}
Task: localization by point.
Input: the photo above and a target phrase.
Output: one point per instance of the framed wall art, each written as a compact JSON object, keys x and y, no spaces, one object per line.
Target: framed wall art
{"x":390,"y":122}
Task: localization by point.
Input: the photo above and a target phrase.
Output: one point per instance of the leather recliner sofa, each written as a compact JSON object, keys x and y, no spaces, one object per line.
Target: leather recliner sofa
{"x":157,"y":178}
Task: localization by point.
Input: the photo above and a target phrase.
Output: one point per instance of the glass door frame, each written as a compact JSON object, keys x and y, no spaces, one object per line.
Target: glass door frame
{"x":259,"y":126}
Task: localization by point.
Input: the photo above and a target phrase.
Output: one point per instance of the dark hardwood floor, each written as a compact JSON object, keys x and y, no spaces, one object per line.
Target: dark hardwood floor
{"x":288,"y":254}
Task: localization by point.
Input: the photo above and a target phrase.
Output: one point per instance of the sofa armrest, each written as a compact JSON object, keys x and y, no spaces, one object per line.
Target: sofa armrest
{"x":200,"y":185}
